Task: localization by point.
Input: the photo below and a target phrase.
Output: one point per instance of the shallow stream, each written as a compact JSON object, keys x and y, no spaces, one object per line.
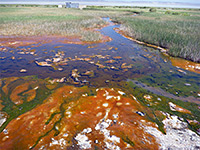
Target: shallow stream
{"x":98,"y":64}
{"x":133,"y":95}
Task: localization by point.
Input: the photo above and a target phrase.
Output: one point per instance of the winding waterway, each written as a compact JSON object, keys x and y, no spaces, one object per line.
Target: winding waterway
{"x":98,"y":64}
{"x":133,"y":95}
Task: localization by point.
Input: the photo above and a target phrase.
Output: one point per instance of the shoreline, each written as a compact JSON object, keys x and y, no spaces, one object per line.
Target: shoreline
{"x":163,"y":50}
{"x":16,"y":41}
{"x":195,"y":67}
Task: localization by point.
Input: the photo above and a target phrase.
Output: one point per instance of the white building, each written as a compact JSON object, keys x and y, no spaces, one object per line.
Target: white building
{"x":59,"y":6}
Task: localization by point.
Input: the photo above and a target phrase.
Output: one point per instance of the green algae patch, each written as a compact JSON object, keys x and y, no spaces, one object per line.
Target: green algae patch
{"x":13,"y":110}
{"x":176,"y":84}
{"x":156,"y":104}
{"x":70,"y":111}
{"x":127,"y":140}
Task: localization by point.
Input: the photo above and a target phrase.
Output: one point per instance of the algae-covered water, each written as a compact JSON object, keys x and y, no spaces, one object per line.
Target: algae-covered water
{"x":66,"y":93}
{"x":100,"y":63}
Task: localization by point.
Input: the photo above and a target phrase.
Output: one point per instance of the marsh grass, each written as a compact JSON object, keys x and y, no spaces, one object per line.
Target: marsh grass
{"x":174,"y":29}
{"x":51,"y":27}
{"x":178,"y":33}
{"x":49,"y":21}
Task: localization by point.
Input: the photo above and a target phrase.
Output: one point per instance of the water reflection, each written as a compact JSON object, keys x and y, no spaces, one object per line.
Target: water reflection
{"x":116,"y":60}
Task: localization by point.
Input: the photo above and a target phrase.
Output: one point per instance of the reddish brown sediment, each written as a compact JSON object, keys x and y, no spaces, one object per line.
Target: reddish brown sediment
{"x":14,"y":42}
{"x":124,"y":65}
{"x":58,"y":46}
{"x":28,"y":127}
{"x":20,"y":40}
{"x":1,"y":106}
{"x":14,"y":96}
{"x":185,"y":64}
{"x":117,"y":57}
{"x":110,"y":61}
{"x":110,"y":117}
{"x":7,"y":81}
{"x":17,"y":41}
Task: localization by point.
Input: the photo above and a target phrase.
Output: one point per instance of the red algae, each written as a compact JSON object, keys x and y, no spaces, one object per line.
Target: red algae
{"x":19,"y":89}
{"x":185,"y":64}
{"x":18,"y":41}
{"x":30,"y":94}
{"x":108,"y":120}
{"x":8,"y":80}
{"x":89,"y":114}
{"x":1,"y":106}
{"x":30,"y":126}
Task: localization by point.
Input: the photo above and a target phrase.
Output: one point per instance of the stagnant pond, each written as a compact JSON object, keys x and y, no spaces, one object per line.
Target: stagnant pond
{"x":99,"y":64}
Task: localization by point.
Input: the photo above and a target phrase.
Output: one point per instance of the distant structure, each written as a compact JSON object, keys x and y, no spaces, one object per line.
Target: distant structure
{"x":72,"y":5}
{"x":82,"y":6}
{"x":59,"y":6}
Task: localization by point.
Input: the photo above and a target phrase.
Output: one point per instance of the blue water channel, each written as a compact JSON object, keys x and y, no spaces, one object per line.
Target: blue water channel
{"x":131,"y":61}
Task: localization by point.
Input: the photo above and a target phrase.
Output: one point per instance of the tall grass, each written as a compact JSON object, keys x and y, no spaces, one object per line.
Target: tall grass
{"x":49,"y":21}
{"x":176,"y":30}
{"x":64,"y":28}
{"x":180,"y":34}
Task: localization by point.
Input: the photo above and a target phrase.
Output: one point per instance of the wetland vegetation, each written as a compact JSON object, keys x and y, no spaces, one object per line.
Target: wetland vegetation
{"x":173,"y":29}
{"x":36,"y":21}
{"x":69,"y":80}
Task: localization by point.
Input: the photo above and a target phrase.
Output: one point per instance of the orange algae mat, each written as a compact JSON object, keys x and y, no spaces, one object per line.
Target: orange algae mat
{"x":17,"y":41}
{"x":185,"y":64}
{"x":70,"y":119}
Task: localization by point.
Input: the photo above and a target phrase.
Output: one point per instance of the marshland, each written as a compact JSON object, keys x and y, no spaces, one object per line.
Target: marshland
{"x":174,"y":29}
{"x":99,"y":78}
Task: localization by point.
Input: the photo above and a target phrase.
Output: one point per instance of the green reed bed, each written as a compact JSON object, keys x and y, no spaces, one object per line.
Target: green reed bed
{"x":29,"y":21}
{"x":179,"y":32}
{"x":174,"y":29}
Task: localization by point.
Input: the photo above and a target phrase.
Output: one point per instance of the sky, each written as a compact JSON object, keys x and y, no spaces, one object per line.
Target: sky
{"x":151,"y":3}
{"x":181,"y":1}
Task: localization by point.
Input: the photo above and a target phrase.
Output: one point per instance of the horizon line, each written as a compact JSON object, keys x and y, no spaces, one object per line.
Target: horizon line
{"x":114,"y":3}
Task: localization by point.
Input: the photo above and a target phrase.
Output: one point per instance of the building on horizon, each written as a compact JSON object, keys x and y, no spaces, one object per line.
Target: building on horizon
{"x":72,"y":5}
